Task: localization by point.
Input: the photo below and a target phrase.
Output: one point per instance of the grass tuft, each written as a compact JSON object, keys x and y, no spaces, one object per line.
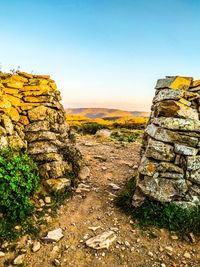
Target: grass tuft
{"x":124,"y":200}
{"x":161,"y":215}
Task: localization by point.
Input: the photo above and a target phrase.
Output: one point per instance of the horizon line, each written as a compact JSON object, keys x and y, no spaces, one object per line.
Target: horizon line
{"x":106,"y":108}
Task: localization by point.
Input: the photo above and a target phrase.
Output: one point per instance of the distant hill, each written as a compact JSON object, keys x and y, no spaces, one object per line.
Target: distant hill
{"x":105,"y":113}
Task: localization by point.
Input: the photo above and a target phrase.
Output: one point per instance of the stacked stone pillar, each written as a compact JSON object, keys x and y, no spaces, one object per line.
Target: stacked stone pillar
{"x":169,"y":169}
{"x":33,"y":119}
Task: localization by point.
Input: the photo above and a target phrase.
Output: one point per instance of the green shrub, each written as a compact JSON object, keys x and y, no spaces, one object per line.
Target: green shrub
{"x":126,"y":137}
{"x":18,"y":181}
{"x":124,"y":200}
{"x":92,"y":128}
{"x":168,"y":215}
{"x":72,"y":177}
{"x":136,"y":126}
{"x":158,"y":214}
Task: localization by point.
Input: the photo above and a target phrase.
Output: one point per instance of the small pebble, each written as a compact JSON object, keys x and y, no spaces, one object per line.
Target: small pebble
{"x":19,"y":259}
{"x":150,"y":254}
{"x":169,"y":248}
{"x":47,"y":200}
{"x":86,"y":236}
{"x":161,"y":249}
{"x":187,"y":255}
{"x":36,"y":246}
{"x":192,"y":237}
{"x":127,"y":243}
{"x":174,"y":237}
{"x":56,"y":262}
{"x":2,"y":254}
{"x":41,"y":202}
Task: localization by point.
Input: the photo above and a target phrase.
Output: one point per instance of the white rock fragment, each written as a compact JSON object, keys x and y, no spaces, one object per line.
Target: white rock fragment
{"x":88,"y":144}
{"x":19,"y":259}
{"x":4,"y":245}
{"x":192,"y":237}
{"x":102,"y":240}
{"x":127,"y":244}
{"x":115,"y":229}
{"x":41,"y":201}
{"x":114,"y":186}
{"x":56,"y":262}
{"x":187,"y":255}
{"x":54,"y":236}
{"x":86,"y":236}
{"x":36,"y":246}
{"x":174,"y":237}
{"x":84,"y":173}
{"x":83,"y":187}
{"x":94,"y":228}
{"x":150,"y":254}
{"x":2,"y":254}
{"x":103,"y":133}
{"x":47,"y":200}
{"x":54,"y":252}
{"x":169,"y":248}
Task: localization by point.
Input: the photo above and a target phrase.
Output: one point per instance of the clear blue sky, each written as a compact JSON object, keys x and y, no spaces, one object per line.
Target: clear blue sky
{"x":102,"y":53}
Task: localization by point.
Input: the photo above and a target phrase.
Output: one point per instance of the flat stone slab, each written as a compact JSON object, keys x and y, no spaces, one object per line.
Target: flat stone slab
{"x":172,"y":108}
{"x":185,"y":150}
{"x":193,"y":163}
{"x":162,"y":189}
{"x":175,"y":82}
{"x":54,"y":236}
{"x":178,"y":124}
{"x":159,"y":150}
{"x":101,"y":241}
{"x":169,"y":136}
{"x":168,"y":94}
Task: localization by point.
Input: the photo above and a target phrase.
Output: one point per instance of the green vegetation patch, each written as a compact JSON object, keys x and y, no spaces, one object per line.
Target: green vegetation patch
{"x":19,"y":180}
{"x":124,"y":200}
{"x":69,"y":174}
{"x":161,"y":215}
{"x":125,"y":135}
{"x":168,"y":215}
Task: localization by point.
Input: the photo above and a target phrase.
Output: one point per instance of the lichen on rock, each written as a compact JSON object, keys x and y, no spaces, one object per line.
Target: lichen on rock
{"x":169,"y":169}
{"x":33,"y":119}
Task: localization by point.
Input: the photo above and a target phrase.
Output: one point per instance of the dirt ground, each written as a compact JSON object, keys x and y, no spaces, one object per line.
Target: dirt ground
{"x":109,"y":162}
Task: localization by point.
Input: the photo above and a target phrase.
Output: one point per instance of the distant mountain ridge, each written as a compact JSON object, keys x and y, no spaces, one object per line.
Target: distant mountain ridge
{"x":105,"y":113}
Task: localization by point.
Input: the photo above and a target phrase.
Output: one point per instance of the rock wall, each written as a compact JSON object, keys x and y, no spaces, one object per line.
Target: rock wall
{"x":32,"y":118}
{"x":170,"y":155}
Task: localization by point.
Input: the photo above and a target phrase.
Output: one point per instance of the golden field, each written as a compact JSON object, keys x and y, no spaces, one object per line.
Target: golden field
{"x":76,"y":120}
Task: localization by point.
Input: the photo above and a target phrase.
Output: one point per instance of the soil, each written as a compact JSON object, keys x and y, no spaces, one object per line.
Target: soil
{"x":109,"y":162}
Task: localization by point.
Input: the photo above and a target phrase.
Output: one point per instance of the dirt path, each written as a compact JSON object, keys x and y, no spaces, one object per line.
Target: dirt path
{"x":109,"y":162}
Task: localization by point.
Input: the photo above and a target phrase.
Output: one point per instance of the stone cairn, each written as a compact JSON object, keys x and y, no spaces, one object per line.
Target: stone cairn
{"x":32,"y":119}
{"x":169,"y":169}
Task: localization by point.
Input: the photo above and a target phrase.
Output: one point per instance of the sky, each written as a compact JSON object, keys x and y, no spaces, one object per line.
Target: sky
{"x":102,"y":53}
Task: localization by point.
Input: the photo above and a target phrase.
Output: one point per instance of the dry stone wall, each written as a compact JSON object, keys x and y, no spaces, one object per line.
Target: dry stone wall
{"x":33,"y":119}
{"x":170,"y":155}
